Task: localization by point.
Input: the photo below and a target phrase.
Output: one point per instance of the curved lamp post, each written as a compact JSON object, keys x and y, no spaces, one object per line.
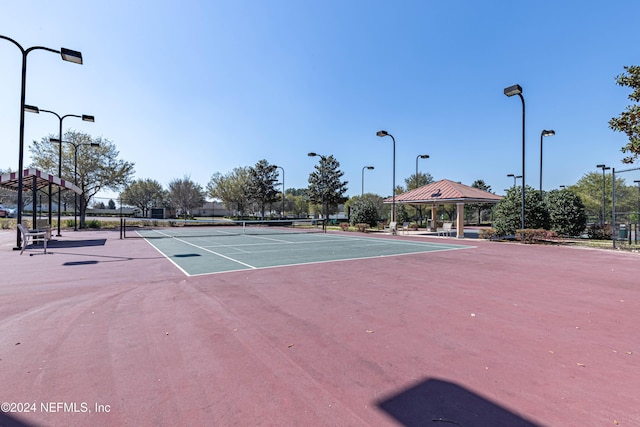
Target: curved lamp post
{"x":75,"y":173}
{"x":67,"y":55}
{"x":383,"y":133}
{"x":514,"y":178}
{"x":510,"y":91}
{"x":542,"y":135}
{"x":604,"y":168}
{"x":84,"y":117}
{"x":366,"y":167}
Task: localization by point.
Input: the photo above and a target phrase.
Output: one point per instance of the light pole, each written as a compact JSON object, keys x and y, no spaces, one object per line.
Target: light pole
{"x":366,"y":167}
{"x":84,"y":117}
{"x":510,"y":91}
{"x":67,"y":55}
{"x":638,"y":220}
{"x":542,"y":135}
{"x":383,"y":133}
{"x":604,"y":168}
{"x":75,"y":173}
{"x":324,"y":185}
{"x":514,"y":178}
{"x":280,"y":167}
{"x":419,"y":156}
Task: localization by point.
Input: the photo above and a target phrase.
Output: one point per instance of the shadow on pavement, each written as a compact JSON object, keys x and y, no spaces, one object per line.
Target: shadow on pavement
{"x":437,"y":402}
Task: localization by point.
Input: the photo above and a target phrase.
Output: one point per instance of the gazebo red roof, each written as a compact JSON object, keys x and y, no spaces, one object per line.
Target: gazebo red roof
{"x":445,"y":191}
{"x":10,"y":180}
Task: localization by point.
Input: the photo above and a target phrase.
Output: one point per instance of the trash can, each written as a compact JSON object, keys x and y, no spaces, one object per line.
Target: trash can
{"x":622,"y":233}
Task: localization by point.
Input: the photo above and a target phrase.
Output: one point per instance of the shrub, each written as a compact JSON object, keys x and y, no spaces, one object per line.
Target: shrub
{"x":344,"y":226}
{"x":364,"y":212}
{"x":566,"y":212}
{"x":535,"y":235}
{"x":598,"y":232}
{"x":488,"y":233}
{"x":508,"y":212}
{"x":362,"y":227}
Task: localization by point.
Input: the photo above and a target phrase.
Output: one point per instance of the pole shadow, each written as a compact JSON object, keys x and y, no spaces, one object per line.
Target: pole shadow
{"x":442,"y":403}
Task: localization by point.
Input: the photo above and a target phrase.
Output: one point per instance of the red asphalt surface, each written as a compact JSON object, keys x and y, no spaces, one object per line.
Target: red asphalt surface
{"x":108,"y":332}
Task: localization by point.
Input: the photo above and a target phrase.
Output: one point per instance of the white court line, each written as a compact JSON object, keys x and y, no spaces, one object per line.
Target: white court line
{"x":336,"y":260}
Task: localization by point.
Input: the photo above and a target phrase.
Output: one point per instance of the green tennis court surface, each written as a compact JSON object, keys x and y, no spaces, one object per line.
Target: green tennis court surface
{"x":196,"y":255}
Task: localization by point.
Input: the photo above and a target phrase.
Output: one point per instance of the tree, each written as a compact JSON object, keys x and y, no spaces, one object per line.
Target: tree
{"x":508,"y":212}
{"x":184,"y":195}
{"x":144,"y":194}
{"x":590,"y":190}
{"x":629,"y":120}
{"x":231,"y":189}
{"x":363,"y":211}
{"x":417,"y":181}
{"x":261,"y":185}
{"x":325,"y":187}
{"x":566,"y":212}
{"x":480,"y":207}
{"x":111,"y":204}
{"x":98,"y":166}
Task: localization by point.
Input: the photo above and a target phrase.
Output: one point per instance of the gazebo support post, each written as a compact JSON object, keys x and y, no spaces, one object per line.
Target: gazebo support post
{"x":460,"y":220}
{"x":434,"y":217}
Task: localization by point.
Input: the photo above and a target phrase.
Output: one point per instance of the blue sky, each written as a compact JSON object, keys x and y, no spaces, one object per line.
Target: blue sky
{"x":190,"y":88}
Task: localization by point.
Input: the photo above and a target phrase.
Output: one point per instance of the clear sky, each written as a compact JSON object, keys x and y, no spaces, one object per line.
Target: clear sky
{"x":189,"y":88}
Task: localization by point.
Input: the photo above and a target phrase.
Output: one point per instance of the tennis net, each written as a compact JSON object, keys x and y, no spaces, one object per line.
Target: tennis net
{"x":167,"y":228}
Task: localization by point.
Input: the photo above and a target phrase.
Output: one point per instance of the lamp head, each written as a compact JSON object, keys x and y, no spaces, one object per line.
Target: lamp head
{"x":88,"y":118}
{"x":54,"y":140}
{"x":370,"y":167}
{"x":312,"y":154}
{"x":71,"y":55}
{"x":382,"y":133}
{"x":94,"y":144}
{"x":511,"y":175}
{"x":548,"y":132}
{"x":424,"y":156}
{"x":31,"y":109}
{"x":513,"y":90}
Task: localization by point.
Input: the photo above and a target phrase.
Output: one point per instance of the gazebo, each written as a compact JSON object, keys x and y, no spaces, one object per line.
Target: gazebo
{"x":446,"y":192}
{"x":34,"y":180}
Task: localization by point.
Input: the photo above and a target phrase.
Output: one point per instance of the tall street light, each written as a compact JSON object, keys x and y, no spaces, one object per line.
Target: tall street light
{"x":84,"y":117}
{"x":67,"y":55}
{"x":324,"y":186}
{"x":638,"y":213}
{"x":419,"y":156}
{"x":75,"y":173}
{"x":604,"y":168}
{"x":280,"y":167}
{"x":514,"y":178}
{"x":383,"y":133}
{"x":510,"y":91}
{"x":366,"y":167}
{"x":542,"y":135}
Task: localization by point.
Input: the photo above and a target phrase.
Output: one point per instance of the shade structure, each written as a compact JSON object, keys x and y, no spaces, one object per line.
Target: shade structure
{"x":42,"y":179}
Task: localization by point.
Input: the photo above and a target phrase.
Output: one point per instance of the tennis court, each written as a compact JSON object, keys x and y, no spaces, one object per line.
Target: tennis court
{"x":201,"y":251}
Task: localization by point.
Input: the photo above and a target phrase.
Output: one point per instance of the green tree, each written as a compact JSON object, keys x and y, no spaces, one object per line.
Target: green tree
{"x":508,"y":212}
{"x":144,"y":194}
{"x":590,"y":190}
{"x":184,"y":195}
{"x":566,"y":212}
{"x":98,"y":166}
{"x":417,"y":181}
{"x":629,"y":120}
{"x":261,"y":185}
{"x":364,"y":211}
{"x":231,"y":189}
{"x":325,"y":186}
{"x":480,"y":207}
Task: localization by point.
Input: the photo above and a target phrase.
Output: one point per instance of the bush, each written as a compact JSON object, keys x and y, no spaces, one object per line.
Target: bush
{"x":535,"y":235}
{"x":364,"y":212}
{"x":508,"y":212}
{"x":566,"y":212}
{"x":598,"y":232}
{"x":488,"y":233}
{"x":344,"y":226}
{"x":362,"y":227}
